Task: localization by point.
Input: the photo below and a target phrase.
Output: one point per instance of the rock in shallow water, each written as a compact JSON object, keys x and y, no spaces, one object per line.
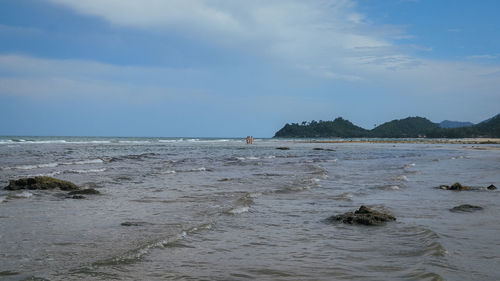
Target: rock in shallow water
{"x":466,"y":208}
{"x":459,"y":187}
{"x":283,"y":148}
{"x":41,"y":183}
{"x":363,"y":216}
{"x":85,"y":191}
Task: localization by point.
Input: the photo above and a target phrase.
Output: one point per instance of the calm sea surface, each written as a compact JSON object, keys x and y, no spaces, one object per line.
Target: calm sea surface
{"x":218,"y":209}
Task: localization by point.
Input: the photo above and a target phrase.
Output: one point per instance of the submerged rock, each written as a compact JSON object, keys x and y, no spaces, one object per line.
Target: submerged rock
{"x":283,"y":148}
{"x":41,"y":183}
{"x":133,"y":223}
{"x":456,"y":186}
{"x":325,"y":149}
{"x":363,"y":216}
{"x":466,"y":208}
{"x":77,"y":197}
{"x":87,"y":191}
{"x":459,"y":187}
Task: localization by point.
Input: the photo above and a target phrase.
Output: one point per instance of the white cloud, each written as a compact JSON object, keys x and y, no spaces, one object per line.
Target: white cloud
{"x":50,"y":78}
{"x":328,"y":39}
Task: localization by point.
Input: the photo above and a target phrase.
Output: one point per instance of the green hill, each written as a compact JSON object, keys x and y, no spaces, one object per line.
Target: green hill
{"x":486,"y":129}
{"x":411,"y":127}
{"x":337,"y":128}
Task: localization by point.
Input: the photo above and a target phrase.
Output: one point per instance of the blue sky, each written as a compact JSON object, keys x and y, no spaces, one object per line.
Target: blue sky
{"x":237,"y":68}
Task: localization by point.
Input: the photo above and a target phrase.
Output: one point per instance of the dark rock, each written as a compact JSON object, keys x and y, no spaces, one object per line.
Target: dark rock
{"x":458,"y":186}
{"x":466,"y":208}
{"x":283,"y":148}
{"x":491,"y":187}
{"x":132,"y":223}
{"x":325,"y":149}
{"x":41,"y":183}
{"x":77,"y":197}
{"x":363,"y":216}
{"x":88,"y":191}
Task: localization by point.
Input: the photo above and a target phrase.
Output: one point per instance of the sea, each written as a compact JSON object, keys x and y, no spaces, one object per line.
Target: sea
{"x":221,"y":209}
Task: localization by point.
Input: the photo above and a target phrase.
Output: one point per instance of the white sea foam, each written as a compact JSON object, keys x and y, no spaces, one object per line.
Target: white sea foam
{"x":2,"y":198}
{"x":85,"y":162}
{"x":394,"y":187}
{"x":24,"y":194}
{"x":31,"y":167}
{"x":134,"y":142}
{"x":169,"y":172}
{"x":169,"y":141}
{"x":86,"y":171}
{"x":51,"y":174}
{"x":402,"y":178}
{"x":409,"y":165}
{"x":201,"y":169}
{"x":252,"y":158}
{"x":254,"y":194}
{"x":270,"y":157}
{"x":239,"y":210}
{"x":54,"y":164}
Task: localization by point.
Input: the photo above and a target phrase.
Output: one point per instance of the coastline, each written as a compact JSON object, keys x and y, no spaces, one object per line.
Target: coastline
{"x":424,"y":141}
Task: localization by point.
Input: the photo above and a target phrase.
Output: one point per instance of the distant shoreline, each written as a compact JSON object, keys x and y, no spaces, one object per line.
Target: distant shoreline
{"x":425,"y":141}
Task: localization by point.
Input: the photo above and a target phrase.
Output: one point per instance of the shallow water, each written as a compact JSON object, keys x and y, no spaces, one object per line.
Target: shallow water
{"x":219,"y":209}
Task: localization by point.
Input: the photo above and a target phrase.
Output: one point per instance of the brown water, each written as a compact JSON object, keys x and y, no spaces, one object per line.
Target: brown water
{"x":217,"y":209}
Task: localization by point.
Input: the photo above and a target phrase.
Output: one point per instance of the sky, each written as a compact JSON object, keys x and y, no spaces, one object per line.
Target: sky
{"x":235,"y":68}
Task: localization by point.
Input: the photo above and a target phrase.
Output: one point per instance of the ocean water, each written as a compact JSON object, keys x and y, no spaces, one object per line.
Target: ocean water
{"x":218,"y":209}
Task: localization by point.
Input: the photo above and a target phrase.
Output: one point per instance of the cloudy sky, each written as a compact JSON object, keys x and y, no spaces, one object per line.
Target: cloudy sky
{"x":234,"y":68}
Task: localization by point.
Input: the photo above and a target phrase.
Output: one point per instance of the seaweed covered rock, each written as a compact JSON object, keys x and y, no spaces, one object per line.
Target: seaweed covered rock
{"x":456,"y":186}
{"x":41,"y":183}
{"x":459,"y":187}
{"x":88,"y":191}
{"x":466,"y":208}
{"x":325,"y":149}
{"x":283,"y":148}
{"x":363,"y":216}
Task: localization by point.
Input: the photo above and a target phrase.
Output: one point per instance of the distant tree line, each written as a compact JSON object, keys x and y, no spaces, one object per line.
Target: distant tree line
{"x":411,"y":127}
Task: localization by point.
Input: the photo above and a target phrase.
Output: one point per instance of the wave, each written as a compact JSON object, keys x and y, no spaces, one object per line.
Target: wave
{"x":409,"y":165}
{"x":130,"y":157}
{"x":24,"y":194}
{"x":138,"y":253}
{"x":346,"y":196}
{"x":401,"y":178}
{"x":247,"y":158}
{"x":86,"y":171}
{"x":54,"y":164}
{"x":238,"y":210}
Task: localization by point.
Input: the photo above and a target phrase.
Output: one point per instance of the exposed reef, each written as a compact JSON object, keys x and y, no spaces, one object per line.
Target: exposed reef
{"x":41,"y":183}
{"x":466,"y":208}
{"x":363,"y":216}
